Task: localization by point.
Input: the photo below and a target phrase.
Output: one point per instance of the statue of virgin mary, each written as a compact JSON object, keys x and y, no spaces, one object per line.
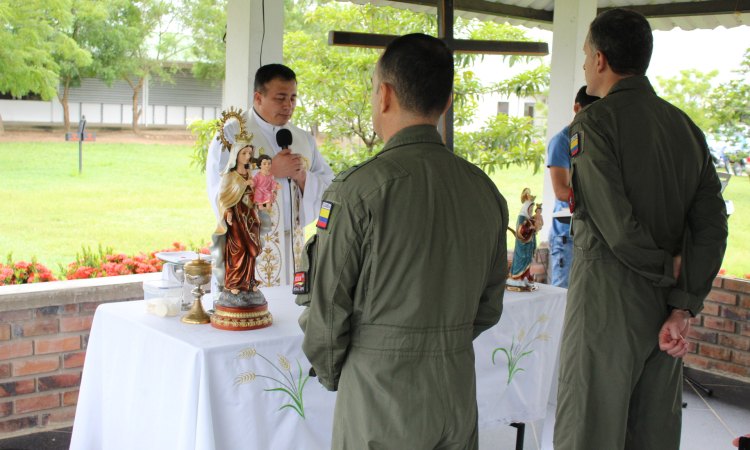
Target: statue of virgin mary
{"x":527,"y":226}
{"x":236,"y":243}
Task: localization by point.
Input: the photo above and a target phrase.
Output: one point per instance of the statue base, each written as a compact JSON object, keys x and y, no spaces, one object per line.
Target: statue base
{"x":241,"y":318}
{"x":522,"y":288}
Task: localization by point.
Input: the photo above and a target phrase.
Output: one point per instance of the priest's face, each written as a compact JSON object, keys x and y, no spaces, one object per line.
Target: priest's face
{"x":277,"y":105}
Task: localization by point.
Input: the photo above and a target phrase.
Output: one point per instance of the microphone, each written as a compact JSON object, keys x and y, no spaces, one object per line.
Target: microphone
{"x":284,"y":138}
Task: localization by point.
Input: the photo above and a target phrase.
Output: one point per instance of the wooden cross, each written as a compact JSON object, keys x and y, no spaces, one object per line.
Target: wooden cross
{"x":445,"y":32}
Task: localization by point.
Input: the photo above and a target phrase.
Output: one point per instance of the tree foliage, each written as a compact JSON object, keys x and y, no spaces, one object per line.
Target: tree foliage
{"x":207,"y":22}
{"x":32,"y":44}
{"x":730,"y":104}
{"x":504,"y":141}
{"x":152,"y":37}
{"x":88,"y":16}
{"x":138,"y":40}
{"x":335,"y":82}
{"x":691,"y":93}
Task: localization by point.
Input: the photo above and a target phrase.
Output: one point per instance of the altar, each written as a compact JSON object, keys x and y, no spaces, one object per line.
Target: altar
{"x":156,"y":383}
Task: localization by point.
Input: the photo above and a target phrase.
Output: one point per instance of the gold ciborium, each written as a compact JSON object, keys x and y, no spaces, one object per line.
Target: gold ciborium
{"x":197,"y":273}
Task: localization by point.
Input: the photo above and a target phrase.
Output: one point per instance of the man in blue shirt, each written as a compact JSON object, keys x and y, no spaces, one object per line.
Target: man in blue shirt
{"x":558,"y":161}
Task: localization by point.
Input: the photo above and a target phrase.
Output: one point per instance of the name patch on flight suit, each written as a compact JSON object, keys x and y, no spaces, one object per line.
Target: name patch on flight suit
{"x":300,"y":283}
{"x":325,"y":215}
{"x":576,"y":144}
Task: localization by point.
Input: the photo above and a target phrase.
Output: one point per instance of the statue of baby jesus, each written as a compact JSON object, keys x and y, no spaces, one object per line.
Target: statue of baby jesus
{"x":265,"y":184}
{"x":537,"y":219}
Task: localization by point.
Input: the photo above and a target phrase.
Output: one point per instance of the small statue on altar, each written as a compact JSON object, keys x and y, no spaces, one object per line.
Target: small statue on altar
{"x":265,"y":184}
{"x":527,"y":226}
{"x":236,"y":244}
{"x":538,"y":221}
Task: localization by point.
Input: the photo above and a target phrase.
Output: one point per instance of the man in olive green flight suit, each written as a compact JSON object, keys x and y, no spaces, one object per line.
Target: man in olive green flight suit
{"x":649,"y":233}
{"x":407,"y":268}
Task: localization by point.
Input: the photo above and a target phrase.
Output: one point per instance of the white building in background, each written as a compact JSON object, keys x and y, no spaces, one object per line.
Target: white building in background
{"x":180,"y":102}
{"x":163,"y":103}
{"x":495,"y":69}
{"x":512,"y":106}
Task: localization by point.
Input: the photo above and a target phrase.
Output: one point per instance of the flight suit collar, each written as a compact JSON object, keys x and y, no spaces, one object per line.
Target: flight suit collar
{"x":639,"y":82}
{"x":416,"y":134}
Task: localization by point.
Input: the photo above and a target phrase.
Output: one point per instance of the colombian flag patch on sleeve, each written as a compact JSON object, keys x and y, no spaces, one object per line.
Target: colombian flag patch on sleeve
{"x":325,"y":215}
{"x":575,"y":145}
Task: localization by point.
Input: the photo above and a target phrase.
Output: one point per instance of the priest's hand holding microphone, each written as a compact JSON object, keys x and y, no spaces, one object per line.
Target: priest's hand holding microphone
{"x":287,"y":164}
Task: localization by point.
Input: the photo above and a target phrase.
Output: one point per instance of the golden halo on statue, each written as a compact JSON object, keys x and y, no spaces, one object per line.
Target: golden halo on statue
{"x":225,"y":116}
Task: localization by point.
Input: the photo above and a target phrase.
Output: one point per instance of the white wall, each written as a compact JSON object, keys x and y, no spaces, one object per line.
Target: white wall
{"x":32,"y":111}
{"x":488,"y":108}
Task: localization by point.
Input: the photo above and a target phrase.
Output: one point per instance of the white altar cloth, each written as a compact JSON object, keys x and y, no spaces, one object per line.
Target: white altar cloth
{"x":156,"y":383}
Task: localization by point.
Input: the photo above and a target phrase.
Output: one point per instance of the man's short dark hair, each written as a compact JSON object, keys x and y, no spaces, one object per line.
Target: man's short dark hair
{"x":584,"y":99}
{"x":626,"y":40}
{"x":270,"y":72}
{"x":419,"y":68}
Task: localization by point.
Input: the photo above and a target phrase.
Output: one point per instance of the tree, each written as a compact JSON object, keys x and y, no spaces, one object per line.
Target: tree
{"x":690,"y":92}
{"x":731,"y":107}
{"x":335,"y":84}
{"x":207,"y":22}
{"x":30,"y":42}
{"x":87,"y":17}
{"x":504,"y":141}
{"x":138,"y":41}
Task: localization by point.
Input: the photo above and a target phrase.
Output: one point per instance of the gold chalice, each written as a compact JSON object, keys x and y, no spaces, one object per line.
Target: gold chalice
{"x":197,"y":273}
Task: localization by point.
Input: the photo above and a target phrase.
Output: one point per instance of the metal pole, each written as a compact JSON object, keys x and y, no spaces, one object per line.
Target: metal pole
{"x":520,"y":428}
{"x":81,"y":130}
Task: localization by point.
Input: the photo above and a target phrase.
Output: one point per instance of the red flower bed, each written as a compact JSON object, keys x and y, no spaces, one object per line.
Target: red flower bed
{"x":89,"y":264}
{"x":21,"y":272}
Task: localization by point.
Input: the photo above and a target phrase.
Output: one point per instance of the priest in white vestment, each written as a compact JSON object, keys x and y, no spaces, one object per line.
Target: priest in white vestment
{"x":301,"y":170}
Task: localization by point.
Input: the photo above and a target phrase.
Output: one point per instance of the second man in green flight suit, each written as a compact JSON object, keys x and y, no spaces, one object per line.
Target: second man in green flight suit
{"x":649,"y":232}
{"x":407,"y":268}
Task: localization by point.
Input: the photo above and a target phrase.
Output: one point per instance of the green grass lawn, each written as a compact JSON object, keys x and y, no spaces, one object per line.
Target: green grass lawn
{"x":135,"y":197}
{"x":130,"y":197}
{"x":737,"y":258}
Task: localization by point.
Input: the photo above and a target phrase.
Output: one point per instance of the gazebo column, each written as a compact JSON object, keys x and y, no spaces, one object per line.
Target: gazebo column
{"x":245,"y":25}
{"x":569,"y":29}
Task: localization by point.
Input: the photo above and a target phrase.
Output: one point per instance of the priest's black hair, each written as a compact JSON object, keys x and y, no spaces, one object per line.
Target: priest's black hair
{"x":625,"y":38}
{"x":584,"y":99}
{"x":420,"y":70}
{"x":261,"y":158}
{"x":270,"y":72}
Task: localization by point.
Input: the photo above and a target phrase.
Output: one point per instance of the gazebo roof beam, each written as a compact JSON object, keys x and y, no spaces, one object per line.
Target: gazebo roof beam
{"x":701,"y":8}
{"x":492,"y":9}
{"x":660,"y":10}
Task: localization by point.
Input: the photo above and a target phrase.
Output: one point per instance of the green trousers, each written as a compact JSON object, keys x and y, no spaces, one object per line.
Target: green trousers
{"x":406,"y":400}
{"x":617,"y":390}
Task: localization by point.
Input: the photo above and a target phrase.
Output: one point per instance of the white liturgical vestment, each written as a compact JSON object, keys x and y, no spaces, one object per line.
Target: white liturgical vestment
{"x":283,"y":245}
